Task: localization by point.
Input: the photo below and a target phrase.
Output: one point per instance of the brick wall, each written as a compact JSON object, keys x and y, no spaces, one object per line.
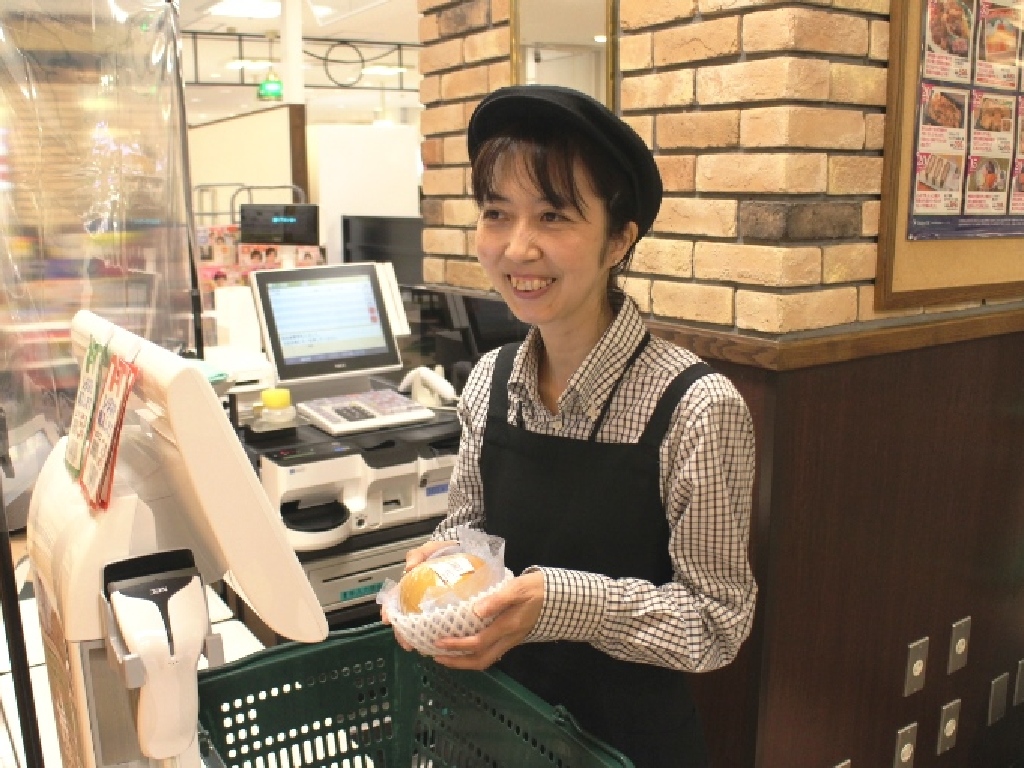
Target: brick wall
{"x":767,"y":120}
{"x":465,"y":55}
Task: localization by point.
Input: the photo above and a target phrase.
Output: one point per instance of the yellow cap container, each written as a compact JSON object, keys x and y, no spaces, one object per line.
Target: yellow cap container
{"x":276,"y":398}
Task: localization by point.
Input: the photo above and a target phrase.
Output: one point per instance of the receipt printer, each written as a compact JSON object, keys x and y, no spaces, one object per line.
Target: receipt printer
{"x":332,"y":488}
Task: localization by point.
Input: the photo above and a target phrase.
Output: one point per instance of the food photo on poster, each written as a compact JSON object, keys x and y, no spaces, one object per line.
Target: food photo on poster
{"x":949,"y":30}
{"x":945,"y":108}
{"x":998,"y":43}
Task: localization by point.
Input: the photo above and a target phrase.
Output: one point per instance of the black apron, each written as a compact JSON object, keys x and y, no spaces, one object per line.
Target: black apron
{"x":590,"y":506}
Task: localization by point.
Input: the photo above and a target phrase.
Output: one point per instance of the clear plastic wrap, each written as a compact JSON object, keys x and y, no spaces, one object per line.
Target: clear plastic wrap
{"x":92,"y":196}
{"x":443,"y":612}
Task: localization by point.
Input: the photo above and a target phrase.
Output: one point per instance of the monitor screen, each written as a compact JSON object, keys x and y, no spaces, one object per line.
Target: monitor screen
{"x":491,"y":324}
{"x":279,"y":223}
{"x":325,"y":322}
{"x":396,"y":239}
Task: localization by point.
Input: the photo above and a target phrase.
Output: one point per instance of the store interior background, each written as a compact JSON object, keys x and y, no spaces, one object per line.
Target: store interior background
{"x":347,"y":130}
{"x":889,"y":503}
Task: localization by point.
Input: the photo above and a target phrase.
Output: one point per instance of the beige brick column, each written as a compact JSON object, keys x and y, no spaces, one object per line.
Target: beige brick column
{"x":767,"y":123}
{"x":466,"y":54}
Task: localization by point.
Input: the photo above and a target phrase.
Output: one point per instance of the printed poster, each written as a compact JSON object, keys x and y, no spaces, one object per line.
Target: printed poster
{"x":217,"y":244}
{"x":968,"y":173}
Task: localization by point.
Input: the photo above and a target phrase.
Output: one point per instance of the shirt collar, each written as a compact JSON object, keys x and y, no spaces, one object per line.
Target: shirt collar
{"x":594,"y":379}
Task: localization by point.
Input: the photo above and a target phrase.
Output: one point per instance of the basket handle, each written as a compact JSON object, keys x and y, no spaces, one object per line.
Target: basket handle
{"x":564,"y":719}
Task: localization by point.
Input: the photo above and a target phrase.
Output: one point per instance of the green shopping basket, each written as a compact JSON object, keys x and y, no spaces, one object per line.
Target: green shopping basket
{"x":357,"y":700}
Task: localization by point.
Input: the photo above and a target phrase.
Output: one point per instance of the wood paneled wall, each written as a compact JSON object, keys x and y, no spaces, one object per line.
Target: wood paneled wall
{"x":889,"y":505}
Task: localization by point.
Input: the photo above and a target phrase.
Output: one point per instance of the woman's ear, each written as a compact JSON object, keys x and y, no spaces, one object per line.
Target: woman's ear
{"x":620,"y":242}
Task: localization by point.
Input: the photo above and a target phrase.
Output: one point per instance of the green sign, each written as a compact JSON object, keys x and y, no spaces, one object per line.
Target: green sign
{"x":271,"y":89}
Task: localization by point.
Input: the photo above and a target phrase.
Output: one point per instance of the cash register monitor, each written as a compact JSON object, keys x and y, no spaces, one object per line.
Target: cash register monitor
{"x":327,"y":322}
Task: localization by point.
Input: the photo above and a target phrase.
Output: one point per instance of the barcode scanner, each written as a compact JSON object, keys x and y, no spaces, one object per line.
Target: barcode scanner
{"x":160,"y":608}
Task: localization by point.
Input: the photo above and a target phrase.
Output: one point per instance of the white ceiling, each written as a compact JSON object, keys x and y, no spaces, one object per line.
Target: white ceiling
{"x":387,"y":22}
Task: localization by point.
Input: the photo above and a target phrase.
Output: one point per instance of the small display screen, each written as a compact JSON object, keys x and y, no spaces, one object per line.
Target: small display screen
{"x":278,"y":223}
{"x":326,"y":321}
{"x":330,"y":319}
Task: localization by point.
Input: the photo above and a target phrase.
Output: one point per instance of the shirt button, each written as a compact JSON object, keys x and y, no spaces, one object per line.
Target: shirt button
{"x":557,"y":422}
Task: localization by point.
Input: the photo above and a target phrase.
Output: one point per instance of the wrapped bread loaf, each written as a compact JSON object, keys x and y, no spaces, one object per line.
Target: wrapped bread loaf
{"x":461,"y":574}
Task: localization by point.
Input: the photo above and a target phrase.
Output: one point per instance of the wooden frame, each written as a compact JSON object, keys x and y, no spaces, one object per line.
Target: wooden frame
{"x":611,"y":48}
{"x":916,"y":273}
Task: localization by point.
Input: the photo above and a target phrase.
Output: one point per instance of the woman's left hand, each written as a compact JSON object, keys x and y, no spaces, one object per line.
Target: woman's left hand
{"x":515,"y":607}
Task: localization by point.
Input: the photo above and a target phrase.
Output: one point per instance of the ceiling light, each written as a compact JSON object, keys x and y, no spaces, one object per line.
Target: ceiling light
{"x":351,"y":8}
{"x":246,"y":9}
{"x":383,"y":69}
{"x":256,"y":65}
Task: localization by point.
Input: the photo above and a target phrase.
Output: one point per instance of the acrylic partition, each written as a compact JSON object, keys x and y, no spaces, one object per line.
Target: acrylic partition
{"x":92,"y":206}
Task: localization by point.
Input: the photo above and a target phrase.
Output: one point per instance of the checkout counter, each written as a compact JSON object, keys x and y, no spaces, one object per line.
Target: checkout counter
{"x":354,"y":504}
{"x":395,"y":482}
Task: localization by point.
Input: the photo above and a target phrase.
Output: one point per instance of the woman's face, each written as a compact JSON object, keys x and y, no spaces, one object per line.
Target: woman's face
{"x":550,"y":265}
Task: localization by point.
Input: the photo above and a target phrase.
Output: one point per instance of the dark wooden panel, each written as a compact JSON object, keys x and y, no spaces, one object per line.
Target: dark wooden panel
{"x":297,"y":133}
{"x":897,"y":508}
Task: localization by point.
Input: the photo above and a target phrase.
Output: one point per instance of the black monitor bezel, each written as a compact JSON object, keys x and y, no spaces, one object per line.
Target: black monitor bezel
{"x":366,"y":365}
{"x":482,"y":339}
{"x":406,"y":258}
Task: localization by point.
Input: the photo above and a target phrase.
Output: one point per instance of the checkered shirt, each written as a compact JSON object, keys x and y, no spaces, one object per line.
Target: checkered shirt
{"x":698,"y":620}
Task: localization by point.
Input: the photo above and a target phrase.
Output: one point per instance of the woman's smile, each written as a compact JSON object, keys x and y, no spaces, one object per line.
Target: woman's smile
{"x":529,"y":285}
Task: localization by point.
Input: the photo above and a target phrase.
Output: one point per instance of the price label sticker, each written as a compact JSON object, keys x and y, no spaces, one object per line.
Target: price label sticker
{"x":101,"y":454}
{"x":93,"y":371}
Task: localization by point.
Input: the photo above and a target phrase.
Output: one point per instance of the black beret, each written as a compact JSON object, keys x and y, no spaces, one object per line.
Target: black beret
{"x":587,"y":115}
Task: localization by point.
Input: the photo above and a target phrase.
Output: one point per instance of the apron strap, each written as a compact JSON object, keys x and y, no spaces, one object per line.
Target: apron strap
{"x":498,"y":406}
{"x":657,"y":426}
{"x":611,"y":395}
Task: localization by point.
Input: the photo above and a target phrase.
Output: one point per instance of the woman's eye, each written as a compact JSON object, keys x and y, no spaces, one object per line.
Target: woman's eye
{"x":550,"y":216}
{"x":490,"y":214}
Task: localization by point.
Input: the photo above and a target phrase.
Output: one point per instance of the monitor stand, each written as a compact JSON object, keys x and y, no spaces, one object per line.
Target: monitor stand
{"x":329,"y":387}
